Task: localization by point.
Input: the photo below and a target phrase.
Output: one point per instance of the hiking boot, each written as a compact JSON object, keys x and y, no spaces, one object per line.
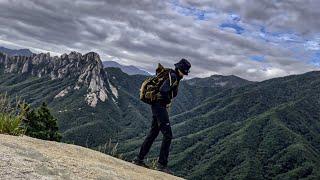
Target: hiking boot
{"x":139,"y":162}
{"x":163,"y":168}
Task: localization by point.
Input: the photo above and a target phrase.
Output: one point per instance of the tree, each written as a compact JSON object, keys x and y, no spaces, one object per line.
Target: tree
{"x":39,"y":123}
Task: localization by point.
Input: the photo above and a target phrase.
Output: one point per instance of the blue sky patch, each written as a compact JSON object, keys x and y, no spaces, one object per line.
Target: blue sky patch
{"x":312,"y":45}
{"x":232,"y":22}
{"x":315,"y":59}
{"x":190,"y":11}
{"x":235,"y":17}
{"x":285,"y":37}
{"x":258,"y":58}
{"x":236,"y":27}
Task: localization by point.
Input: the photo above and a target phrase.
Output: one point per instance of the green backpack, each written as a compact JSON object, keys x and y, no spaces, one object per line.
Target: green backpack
{"x":150,"y":86}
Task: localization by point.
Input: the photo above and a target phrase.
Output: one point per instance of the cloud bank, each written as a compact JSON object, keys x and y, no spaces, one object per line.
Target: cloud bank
{"x":256,"y":40}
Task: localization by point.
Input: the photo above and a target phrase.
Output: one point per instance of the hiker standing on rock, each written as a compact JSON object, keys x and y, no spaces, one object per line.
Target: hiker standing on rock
{"x":158,"y":91}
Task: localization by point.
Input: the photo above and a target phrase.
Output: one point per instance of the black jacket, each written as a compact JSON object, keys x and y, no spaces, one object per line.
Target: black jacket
{"x":167,"y":92}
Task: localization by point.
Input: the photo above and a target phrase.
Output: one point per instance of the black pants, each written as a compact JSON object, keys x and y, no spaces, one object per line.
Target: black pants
{"x":161,"y":123}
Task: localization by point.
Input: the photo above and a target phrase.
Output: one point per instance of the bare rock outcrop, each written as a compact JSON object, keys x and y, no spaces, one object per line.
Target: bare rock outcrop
{"x":87,"y":70}
{"x":29,"y":158}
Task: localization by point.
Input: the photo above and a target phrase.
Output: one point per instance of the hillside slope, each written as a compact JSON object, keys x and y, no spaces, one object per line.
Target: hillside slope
{"x":92,"y":104}
{"x":76,"y":88}
{"x":29,"y":158}
{"x":264,"y":130}
{"x":260,"y":130}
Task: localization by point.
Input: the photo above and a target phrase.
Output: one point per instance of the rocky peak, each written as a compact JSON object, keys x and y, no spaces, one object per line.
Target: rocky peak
{"x":87,"y":69}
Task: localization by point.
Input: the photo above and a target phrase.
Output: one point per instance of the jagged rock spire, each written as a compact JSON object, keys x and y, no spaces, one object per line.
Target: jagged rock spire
{"x":87,"y":69}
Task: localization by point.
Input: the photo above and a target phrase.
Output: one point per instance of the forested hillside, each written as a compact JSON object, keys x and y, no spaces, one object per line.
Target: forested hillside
{"x":263,"y":130}
{"x":223,"y":127}
{"x":92,"y":104}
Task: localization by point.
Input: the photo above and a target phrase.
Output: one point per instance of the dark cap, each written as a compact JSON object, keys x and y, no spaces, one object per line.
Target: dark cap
{"x":184,"y":66}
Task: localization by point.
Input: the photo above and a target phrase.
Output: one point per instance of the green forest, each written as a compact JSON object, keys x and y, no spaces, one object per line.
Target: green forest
{"x":245,"y":130}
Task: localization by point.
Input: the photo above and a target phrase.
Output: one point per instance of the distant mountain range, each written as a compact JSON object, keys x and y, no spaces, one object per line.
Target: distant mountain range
{"x":224,"y":127}
{"x":16,"y":52}
{"x":219,"y":81}
{"x":131,"y":70}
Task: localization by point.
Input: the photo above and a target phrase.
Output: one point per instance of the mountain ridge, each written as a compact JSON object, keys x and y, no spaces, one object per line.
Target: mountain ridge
{"x":230,"y":81}
{"x":131,"y":70}
{"x":87,"y":68}
{"x":16,"y":52}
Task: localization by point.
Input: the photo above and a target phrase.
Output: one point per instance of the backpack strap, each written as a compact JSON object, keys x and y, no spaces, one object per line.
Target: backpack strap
{"x":170,"y":80}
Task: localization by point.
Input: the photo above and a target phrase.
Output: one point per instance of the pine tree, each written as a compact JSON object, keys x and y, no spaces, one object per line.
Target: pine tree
{"x":40,"y":123}
{"x":50,"y":123}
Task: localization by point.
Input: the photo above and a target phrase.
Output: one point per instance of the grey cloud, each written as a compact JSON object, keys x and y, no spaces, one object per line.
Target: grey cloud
{"x":283,"y":15}
{"x":141,"y":33}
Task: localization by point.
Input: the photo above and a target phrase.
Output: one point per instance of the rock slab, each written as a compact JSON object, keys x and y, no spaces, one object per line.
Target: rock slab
{"x":24,"y":157}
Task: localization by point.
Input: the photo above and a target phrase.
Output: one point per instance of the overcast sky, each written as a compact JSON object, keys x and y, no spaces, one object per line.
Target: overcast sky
{"x":253,"y":39}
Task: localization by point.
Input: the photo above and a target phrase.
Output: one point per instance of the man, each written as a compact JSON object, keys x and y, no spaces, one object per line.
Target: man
{"x":168,"y":90}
